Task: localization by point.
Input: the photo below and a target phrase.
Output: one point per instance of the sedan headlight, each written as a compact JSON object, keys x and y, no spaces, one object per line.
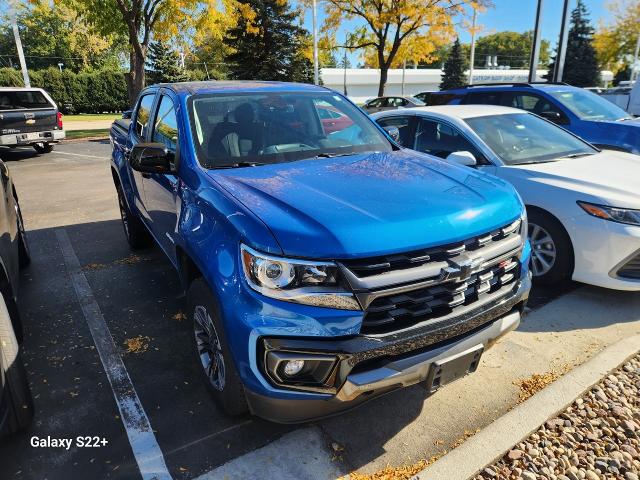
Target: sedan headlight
{"x":293,"y":280}
{"x":614,"y":214}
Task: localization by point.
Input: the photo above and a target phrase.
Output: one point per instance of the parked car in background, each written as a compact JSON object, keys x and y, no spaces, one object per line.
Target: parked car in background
{"x":625,"y":96}
{"x":332,"y":119}
{"x":586,"y":114}
{"x":380,"y":104}
{"x":583,"y":204}
{"x":322,"y":268}
{"x":16,"y":405}
{"x":28,"y":116}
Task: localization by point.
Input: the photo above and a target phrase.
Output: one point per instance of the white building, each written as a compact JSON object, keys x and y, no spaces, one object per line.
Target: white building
{"x":362,"y":83}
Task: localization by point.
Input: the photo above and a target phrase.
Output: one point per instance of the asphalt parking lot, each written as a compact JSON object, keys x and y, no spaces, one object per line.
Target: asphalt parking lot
{"x":138,"y":295}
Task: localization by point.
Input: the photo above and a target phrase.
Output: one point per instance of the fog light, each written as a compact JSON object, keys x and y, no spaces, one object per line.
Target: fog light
{"x":293,"y":367}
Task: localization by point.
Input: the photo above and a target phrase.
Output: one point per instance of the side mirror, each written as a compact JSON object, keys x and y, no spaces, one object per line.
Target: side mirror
{"x":462,"y":158}
{"x":151,"y":158}
{"x":393,"y":132}
{"x":554,"y":117}
{"x":126,"y":115}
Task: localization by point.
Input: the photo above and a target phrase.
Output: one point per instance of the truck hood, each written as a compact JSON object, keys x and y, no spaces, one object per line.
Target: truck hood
{"x":370,"y":204}
{"x":608,"y":177}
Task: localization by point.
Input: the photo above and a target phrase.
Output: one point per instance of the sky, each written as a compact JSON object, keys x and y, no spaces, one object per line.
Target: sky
{"x":512,"y":15}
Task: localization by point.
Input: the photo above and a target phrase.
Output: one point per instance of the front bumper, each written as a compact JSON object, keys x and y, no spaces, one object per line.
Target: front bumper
{"x":602,"y":248}
{"x":17,"y":139}
{"x":371,"y":366}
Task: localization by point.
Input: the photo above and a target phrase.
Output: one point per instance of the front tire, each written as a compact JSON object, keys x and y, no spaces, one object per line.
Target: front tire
{"x":552,"y":258}
{"x":137,"y":234}
{"x":19,"y":403}
{"x":215,"y":359}
{"x":43,"y":147}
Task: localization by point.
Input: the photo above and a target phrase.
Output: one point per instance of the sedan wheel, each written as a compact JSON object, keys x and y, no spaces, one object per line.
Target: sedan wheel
{"x":209,"y":348}
{"x":543,"y":254}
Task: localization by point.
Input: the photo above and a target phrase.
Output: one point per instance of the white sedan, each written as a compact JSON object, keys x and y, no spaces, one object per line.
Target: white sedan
{"x":583,"y":203}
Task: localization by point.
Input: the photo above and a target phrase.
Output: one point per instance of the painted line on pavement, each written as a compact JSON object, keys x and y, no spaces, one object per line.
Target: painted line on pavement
{"x":143,"y":442}
{"x":62,"y":152}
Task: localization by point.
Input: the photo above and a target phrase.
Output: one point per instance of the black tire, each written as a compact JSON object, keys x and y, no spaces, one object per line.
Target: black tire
{"x":561,"y":268}
{"x":137,"y":234}
{"x":19,"y":403}
{"x":221,"y":377}
{"x":24,"y":254}
{"x":43,"y":147}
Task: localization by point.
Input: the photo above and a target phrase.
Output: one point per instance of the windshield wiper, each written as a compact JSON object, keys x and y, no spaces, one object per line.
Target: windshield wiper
{"x":578,"y":155}
{"x":238,"y":165}
{"x":333,"y":155}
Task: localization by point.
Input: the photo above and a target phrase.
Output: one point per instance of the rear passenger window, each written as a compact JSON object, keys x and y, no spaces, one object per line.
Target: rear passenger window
{"x":143,"y":114}
{"x":483,"y":98}
{"x":404,"y":126}
{"x":529,"y":102}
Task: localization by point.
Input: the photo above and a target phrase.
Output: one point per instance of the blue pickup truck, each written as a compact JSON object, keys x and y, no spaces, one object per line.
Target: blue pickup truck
{"x":324,"y":265}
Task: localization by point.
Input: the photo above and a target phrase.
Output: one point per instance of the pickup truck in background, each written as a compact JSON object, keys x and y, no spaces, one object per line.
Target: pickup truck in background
{"x":28,"y":116}
{"x":323,"y":266}
{"x":626,"y":96}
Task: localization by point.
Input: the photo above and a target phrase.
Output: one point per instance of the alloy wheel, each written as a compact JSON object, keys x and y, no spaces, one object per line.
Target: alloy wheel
{"x":543,"y":250}
{"x":209,"y":347}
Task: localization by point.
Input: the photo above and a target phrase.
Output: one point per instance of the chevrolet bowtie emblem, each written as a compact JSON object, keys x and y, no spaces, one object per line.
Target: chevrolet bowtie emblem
{"x":460,"y":271}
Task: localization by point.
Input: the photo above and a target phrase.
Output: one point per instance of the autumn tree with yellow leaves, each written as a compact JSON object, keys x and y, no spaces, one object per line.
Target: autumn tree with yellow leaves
{"x":397,"y":30}
{"x":617,"y":40}
{"x":147,"y":20}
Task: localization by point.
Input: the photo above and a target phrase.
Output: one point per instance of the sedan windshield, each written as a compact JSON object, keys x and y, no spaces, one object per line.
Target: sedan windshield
{"x":519,"y":138}
{"x":589,"y":106}
{"x":237,"y":130}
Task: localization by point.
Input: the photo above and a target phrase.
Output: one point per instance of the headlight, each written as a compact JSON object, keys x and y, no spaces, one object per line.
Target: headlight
{"x":299,"y":281}
{"x":614,"y":214}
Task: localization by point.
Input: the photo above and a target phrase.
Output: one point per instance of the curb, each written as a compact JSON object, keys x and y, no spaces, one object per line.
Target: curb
{"x":84,"y":139}
{"x":493,"y":441}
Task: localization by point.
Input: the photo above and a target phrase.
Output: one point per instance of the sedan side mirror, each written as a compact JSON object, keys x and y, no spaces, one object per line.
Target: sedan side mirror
{"x":151,"y":158}
{"x":462,"y":158}
{"x":393,"y":132}
{"x":126,"y":115}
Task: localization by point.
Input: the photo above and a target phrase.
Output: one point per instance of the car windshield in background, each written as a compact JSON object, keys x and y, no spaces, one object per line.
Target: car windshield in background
{"x":589,"y":106}
{"x":520,"y":138}
{"x":23,"y":99}
{"x":232,"y":130}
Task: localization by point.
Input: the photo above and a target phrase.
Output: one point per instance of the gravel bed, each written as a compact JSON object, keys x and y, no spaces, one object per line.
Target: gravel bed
{"x":597,"y":437}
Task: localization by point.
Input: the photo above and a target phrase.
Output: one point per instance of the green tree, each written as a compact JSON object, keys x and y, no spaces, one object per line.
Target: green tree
{"x":453,"y":75}
{"x":581,"y":65}
{"x":164,"y":64}
{"x":52,"y":35}
{"x":512,"y":48}
{"x":267,"y":43}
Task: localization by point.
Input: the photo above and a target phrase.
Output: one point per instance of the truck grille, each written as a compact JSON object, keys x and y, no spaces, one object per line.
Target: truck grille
{"x":400,"y":291}
{"x":631,"y":269}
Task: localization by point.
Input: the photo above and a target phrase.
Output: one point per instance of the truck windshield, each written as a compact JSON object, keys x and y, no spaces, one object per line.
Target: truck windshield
{"x":519,"y":138}
{"x":235,"y":130}
{"x":589,"y":106}
{"x":23,"y":99}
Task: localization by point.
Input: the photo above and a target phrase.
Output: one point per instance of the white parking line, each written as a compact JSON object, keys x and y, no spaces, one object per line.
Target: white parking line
{"x":62,"y":152}
{"x":143,"y":442}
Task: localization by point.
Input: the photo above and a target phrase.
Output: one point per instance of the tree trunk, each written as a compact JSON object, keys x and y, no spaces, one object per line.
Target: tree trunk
{"x":135,"y":77}
{"x":384,"y":70}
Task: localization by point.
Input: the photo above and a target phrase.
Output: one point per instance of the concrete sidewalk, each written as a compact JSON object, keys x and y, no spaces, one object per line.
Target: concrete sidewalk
{"x":87,"y":125}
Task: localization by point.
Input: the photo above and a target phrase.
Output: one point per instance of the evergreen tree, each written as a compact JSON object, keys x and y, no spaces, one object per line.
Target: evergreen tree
{"x":268,"y":47}
{"x":581,"y":66}
{"x":164,"y":64}
{"x":453,"y":73}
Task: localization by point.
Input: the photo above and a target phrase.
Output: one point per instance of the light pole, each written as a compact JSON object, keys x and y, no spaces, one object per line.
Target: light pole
{"x":316,"y":73}
{"x":16,"y":36}
{"x":535,"y":51}
{"x":60,"y":65}
{"x":562,"y":44}
{"x":473,"y":46}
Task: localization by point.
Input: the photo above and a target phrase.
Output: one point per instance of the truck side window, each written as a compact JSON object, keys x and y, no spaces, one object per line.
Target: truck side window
{"x":440,"y":139}
{"x":165,"y":126}
{"x":143,"y":114}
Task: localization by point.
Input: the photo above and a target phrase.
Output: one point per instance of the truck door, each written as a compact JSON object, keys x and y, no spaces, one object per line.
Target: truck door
{"x":139,"y":132}
{"x":161,"y":190}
